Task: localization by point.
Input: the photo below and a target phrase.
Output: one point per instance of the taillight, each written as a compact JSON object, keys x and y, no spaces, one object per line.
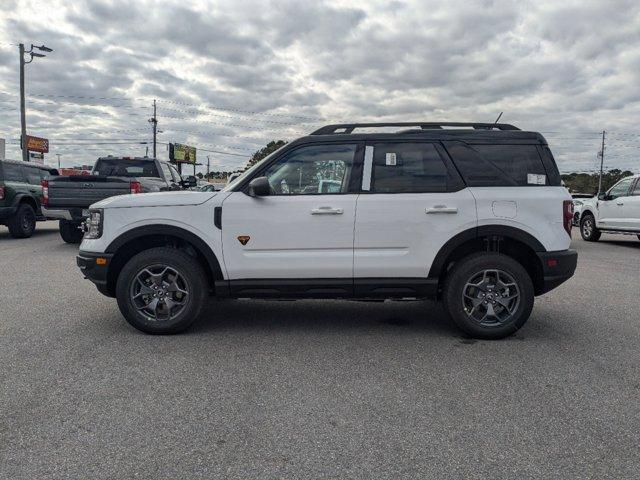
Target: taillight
{"x":1,"y":193}
{"x":45,"y":192}
{"x":135,"y":187}
{"x":567,"y":215}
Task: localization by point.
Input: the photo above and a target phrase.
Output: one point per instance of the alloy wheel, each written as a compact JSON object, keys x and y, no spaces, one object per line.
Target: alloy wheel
{"x":491,"y":297}
{"x":159,"y":292}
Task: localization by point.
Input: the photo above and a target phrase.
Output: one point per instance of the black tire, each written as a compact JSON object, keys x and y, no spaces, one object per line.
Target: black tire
{"x":193,"y":280}
{"x":70,"y":231}
{"x":457,"y":305}
{"x":588,"y":229}
{"x":23,"y":222}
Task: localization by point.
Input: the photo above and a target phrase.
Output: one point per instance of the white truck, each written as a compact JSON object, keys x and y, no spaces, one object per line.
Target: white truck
{"x":472,"y":214}
{"x":615,"y":211}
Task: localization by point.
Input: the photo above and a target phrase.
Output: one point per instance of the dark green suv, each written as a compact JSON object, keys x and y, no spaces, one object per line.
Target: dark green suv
{"x":21,"y":195}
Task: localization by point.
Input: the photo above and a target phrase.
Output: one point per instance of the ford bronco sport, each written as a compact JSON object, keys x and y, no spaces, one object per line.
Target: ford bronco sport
{"x":472,"y":214}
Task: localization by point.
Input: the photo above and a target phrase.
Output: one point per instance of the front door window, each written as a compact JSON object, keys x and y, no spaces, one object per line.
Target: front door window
{"x":312,"y":170}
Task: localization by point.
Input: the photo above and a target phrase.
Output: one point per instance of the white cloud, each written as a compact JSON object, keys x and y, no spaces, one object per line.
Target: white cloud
{"x":569,"y":68}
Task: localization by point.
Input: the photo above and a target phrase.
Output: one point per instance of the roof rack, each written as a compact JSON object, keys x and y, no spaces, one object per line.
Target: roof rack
{"x":349,"y":127}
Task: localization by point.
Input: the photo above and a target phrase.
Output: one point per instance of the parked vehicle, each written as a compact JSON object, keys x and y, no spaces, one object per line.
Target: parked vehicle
{"x":578,"y":201}
{"x":474,"y":215}
{"x":68,"y":198}
{"x":616,"y":211}
{"x":21,"y":195}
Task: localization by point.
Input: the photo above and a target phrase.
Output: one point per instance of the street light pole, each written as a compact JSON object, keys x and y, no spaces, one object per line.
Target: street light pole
{"x":58,"y":155}
{"x":23,"y":113}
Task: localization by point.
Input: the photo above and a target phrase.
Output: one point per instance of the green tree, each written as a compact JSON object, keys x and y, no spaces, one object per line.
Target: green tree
{"x":271,"y":147}
{"x":588,"y":182}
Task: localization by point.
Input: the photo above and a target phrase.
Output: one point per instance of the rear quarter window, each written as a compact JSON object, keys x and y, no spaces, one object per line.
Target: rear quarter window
{"x":489,"y":165}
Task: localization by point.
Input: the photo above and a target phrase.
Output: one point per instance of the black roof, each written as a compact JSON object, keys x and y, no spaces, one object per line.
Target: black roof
{"x":28,"y":164}
{"x":436,"y":131}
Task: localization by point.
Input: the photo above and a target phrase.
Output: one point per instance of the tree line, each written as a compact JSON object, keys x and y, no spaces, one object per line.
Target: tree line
{"x":588,"y":182}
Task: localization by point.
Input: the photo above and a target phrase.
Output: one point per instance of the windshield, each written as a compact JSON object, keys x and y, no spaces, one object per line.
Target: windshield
{"x":244,"y":175}
{"x":117,"y":167}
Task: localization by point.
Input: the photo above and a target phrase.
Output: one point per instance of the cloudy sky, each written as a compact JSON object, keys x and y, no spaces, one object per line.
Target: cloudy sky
{"x":230,"y":76}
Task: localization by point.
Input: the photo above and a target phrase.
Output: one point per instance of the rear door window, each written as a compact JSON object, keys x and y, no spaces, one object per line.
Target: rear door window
{"x":13,"y":172}
{"x":33,"y":175}
{"x":408,"y":168}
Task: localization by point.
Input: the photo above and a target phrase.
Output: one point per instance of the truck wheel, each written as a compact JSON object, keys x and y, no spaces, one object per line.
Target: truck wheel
{"x":70,"y":231}
{"x":488,"y":295}
{"x":161,"y":290}
{"x":588,"y":229}
{"x":23,"y":222}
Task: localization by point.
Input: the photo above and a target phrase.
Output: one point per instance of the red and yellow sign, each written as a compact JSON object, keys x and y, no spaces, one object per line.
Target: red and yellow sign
{"x":37,"y":144}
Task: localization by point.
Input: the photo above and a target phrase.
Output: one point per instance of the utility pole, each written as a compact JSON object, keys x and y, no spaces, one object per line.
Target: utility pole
{"x":23,"y":113}
{"x":601,"y":155}
{"x":58,"y":155}
{"x":154,"y":123}
{"x":208,"y":163}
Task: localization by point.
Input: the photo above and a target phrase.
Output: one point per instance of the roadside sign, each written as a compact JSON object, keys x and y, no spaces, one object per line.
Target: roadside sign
{"x":36,"y":157}
{"x":37,"y":144}
{"x":179,"y":153}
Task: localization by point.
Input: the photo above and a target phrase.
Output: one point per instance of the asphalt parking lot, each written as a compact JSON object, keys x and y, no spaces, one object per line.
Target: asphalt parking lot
{"x":316,"y":389}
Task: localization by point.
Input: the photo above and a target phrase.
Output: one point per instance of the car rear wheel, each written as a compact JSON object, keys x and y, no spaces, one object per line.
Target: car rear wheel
{"x":23,"y":222}
{"x":161,"y":290}
{"x":70,"y":231}
{"x":588,"y":229}
{"x":488,"y":295}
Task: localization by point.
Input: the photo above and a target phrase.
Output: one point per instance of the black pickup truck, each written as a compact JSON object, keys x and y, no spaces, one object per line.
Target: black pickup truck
{"x":69,"y":198}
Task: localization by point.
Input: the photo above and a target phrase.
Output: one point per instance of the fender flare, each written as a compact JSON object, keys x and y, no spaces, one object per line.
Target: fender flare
{"x":181,"y":233}
{"x":24,"y":197}
{"x":477,"y":232}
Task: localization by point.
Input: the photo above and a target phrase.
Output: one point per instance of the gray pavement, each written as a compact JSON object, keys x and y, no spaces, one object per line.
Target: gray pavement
{"x":316,"y":389}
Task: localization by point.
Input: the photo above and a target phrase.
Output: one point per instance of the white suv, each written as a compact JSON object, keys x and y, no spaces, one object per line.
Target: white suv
{"x":616,"y":211}
{"x":473,"y":214}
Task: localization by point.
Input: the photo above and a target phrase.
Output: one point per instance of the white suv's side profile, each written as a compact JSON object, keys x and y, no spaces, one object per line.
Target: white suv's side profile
{"x":474,"y":216}
{"x":616,"y":211}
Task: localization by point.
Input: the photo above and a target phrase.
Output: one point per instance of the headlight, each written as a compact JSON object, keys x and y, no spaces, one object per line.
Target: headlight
{"x":93,"y":224}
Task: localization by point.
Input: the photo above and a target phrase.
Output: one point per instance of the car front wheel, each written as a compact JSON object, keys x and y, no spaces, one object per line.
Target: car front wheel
{"x":488,"y":295}
{"x":161,"y":290}
{"x":588,"y":229}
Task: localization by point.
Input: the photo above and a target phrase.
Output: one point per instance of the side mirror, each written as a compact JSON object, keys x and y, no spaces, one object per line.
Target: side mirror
{"x":259,"y":187}
{"x":604,"y":196}
{"x":189,"y":182}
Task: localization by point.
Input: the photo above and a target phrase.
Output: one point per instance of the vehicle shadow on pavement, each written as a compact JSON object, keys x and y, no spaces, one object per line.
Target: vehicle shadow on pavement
{"x":4,"y":234}
{"x":633,"y":244}
{"x":324,"y":316}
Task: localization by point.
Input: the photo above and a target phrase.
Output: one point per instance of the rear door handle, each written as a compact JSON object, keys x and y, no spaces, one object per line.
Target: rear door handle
{"x":441,"y":209}
{"x":619,"y":203}
{"x":327,"y":211}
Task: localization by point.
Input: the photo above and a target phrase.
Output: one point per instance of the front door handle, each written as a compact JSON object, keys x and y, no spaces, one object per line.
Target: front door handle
{"x":619,"y":203}
{"x":441,"y":209}
{"x":327,"y":211}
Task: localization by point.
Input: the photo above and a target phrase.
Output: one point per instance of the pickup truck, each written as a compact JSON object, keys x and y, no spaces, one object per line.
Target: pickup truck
{"x":68,"y":198}
{"x":615,"y":211}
